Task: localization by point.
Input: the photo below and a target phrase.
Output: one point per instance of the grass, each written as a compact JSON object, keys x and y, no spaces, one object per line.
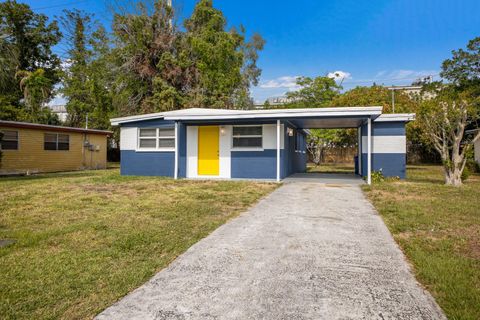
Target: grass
{"x":331,"y":168}
{"x":85,"y":239}
{"x":438,"y":228}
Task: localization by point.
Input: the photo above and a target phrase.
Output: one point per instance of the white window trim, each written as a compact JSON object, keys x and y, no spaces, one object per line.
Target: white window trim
{"x":157,"y":137}
{"x":247,"y":136}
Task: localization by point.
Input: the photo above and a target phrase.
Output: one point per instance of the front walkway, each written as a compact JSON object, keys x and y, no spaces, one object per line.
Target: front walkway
{"x":308,"y":251}
{"x":328,"y":178}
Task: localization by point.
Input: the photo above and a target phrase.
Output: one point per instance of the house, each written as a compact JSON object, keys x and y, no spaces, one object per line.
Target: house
{"x":32,"y":148}
{"x":476,"y":144}
{"x":253,"y":144}
{"x":60,"y":110}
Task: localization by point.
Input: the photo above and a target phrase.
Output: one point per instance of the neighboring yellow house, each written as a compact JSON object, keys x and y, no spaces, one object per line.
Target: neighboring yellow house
{"x":31,"y":148}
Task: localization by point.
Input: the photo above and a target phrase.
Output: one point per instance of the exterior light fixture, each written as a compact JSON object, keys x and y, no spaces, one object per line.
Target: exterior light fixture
{"x":290,"y":132}
{"x":222,"y":131}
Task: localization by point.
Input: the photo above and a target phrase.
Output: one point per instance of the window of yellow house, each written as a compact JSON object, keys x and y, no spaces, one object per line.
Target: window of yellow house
{"x":56,"y":141}
{"x":9,"y":140}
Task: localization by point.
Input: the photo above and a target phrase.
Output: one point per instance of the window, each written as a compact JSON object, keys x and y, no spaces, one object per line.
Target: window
{"x":56,"y":141}
{"x":9,"y":140}
{"x":156,"y":138}
{"x":247,"y":137}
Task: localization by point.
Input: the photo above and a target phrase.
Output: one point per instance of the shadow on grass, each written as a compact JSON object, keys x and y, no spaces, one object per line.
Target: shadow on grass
{"x":41,"y":176}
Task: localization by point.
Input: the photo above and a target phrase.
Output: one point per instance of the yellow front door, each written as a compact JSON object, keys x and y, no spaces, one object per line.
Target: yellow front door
{"x":208,"y":151}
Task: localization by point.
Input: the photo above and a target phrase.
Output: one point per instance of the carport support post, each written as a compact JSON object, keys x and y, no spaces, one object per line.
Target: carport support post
{"x":278,"y":150}
{"x":175,"y":173}
{"x":369,"y":151}
{"x":359,"y":153}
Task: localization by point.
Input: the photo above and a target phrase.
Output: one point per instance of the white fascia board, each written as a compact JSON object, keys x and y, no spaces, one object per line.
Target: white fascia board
{"x":392,"y":117}
{"x":151,"y":116}
{"x":285,"y":113}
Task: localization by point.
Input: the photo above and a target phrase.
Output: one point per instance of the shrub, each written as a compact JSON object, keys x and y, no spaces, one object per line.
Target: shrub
{"x":377,"y":176}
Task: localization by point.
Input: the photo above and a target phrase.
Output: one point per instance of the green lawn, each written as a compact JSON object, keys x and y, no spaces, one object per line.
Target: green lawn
{"x":85,"y":239}
{"x":438,"y":228}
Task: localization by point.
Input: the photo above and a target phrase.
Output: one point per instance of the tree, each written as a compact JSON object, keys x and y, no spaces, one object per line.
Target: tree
{"x":313,"y":93}
{"x":375,"y":96}
{"x":454,"y":108}
{"x":75,"y":75}
{"x":159,"y":66}
{"x":463,"y":69}
{"x":250,"y":71}
{"x":444,"y":119}
{"x":86,"y":76}
{"x":225,"y":62}
{"x":154,"y":67}
{"x":36,"y":90}
{"x":26,"y":39}
{"x":382,"y":96}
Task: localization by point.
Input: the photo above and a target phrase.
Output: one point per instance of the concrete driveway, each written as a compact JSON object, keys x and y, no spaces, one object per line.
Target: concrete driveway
{"x":308,"y":251}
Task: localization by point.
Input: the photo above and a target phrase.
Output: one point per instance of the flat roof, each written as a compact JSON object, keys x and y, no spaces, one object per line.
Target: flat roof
{"x":198,"y":114}
{"x":392,"y":117}
{"x":27,"y":125}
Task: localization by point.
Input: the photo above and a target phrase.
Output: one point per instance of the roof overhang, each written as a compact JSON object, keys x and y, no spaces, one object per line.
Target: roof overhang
{"x":396,"y":117}
{"x":27,"y":125}
{"x":280,"y":114}
{"x":340,"y":117}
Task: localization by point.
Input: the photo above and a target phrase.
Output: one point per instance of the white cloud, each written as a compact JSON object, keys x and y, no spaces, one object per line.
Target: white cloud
{"x":289,"y":82}
{"x":339,"y":75}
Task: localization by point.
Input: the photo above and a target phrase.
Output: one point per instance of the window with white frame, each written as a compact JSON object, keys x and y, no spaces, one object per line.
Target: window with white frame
{"x":247,"y":137}
{"x":156,"y":138}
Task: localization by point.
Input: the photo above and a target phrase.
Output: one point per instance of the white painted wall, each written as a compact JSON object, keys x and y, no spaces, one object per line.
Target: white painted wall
{"x":269,"y":142}
{"x":476,"y":145}
{"x":128,"y":138}
{"x":386,"y":144}
{"x":270,"y":136}
{"x":224,"y":153}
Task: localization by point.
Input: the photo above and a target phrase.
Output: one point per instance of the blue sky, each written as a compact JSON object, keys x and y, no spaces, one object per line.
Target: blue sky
{"x":386,"y":41}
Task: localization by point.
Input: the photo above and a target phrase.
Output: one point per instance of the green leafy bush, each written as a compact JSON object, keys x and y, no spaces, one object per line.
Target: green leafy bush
{"x":377,"y":176}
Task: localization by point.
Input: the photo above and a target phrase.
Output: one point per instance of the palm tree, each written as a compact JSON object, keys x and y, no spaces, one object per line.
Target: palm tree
{"x":36,"y":90}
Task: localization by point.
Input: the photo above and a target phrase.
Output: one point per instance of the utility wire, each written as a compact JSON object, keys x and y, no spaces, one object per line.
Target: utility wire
{"x":66,"y":4}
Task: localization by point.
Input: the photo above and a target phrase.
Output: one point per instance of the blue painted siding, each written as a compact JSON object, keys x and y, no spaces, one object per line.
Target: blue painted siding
{"x":147,"y":163}
{"x":255,"y":164}
{"x":182,"y":150}
{"x":391,"y":164}
{"x":287,"y":158}
{"x":293,"y":161}
{"x":385,"y":129}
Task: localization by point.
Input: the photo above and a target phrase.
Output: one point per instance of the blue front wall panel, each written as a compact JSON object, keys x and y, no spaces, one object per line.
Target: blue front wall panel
{"x":391,"y":164}
{"x":182,"y":150}
{"x":255,"y":164}
{"x":263,"y":164}
{"x":147,"y":163}
{"x":152,"y":163}
{"x":385,"y":129}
